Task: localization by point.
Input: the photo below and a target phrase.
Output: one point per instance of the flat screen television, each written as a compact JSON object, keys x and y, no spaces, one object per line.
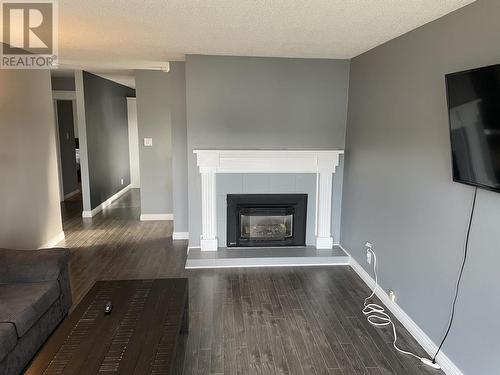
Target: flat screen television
{"x":474,"y":118}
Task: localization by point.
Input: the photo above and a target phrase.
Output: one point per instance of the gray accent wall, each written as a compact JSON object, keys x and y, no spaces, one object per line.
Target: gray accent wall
{"x":29,"y":181}
{"x":398,"y":189}
{"x":252,"y":102}
{"x":161,"y":115}
{"x":106,"y":136}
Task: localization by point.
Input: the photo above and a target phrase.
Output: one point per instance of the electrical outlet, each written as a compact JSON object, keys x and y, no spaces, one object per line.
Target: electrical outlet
{"x":121,"y":181}
{"x":392,"y":295}
{"x":369,"y":254}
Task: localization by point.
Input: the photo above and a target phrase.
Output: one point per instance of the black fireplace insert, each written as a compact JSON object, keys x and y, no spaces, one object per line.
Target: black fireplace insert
{"x":266,"y":220}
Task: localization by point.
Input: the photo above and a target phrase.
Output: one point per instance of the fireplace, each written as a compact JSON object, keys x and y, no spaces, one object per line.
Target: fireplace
{"x":270,"y":220}
{"x":322,"y":162}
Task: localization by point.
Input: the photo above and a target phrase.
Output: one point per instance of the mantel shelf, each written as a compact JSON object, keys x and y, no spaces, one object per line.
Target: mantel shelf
{"x":268,"y":161}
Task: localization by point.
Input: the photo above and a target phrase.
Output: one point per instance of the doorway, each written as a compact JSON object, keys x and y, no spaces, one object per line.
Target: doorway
{"x":69,"y":160}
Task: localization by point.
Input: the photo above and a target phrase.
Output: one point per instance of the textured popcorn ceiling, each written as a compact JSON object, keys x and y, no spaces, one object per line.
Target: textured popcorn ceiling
{"x":128,"y":34}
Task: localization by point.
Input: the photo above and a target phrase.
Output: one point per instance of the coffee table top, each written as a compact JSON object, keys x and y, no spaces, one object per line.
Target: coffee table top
{"x":139,"y":336}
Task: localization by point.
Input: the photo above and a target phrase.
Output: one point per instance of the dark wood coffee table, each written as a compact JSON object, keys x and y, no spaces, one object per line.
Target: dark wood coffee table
{"x":143,"y":334}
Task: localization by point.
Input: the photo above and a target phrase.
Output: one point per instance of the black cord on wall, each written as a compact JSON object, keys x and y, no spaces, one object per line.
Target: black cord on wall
{"x":457,"y":288}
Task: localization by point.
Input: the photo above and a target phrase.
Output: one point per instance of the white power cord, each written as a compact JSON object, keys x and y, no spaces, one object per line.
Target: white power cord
{"x":377,"y":317}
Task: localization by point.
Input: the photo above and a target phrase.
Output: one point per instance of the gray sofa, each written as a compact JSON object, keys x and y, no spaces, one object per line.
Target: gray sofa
{"x":35,"y":296}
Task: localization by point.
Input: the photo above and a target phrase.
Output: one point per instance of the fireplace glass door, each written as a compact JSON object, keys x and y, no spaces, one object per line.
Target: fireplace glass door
{"x":266,"y":220}
{"x":258,"y":226}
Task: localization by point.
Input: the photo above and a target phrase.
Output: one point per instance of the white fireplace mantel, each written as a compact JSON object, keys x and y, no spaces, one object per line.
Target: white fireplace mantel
{"x":322,"y":162}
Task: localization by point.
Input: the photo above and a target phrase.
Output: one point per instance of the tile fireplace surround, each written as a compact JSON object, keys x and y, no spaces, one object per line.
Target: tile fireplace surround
{"x":322,"y":162}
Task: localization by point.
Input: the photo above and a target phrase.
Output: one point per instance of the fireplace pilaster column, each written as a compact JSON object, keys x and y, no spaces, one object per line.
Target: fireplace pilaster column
{"x":324,"y":240}
{"x":208,"y":241}
{"x":326,"y":169}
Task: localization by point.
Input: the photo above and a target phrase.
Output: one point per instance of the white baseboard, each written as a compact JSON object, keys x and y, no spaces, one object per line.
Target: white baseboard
{"x":180,"y":236}
{"x":54,"y":241}
{"x":425,"y":341}
{"x":106,"y":203}
{"x":73,"y":193}
{"x":154,"y":217}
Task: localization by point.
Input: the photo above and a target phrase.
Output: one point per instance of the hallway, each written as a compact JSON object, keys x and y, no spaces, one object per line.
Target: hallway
{"x":116,"y":245}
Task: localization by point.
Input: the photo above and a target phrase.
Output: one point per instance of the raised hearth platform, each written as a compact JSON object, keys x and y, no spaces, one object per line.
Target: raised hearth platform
{"x":266,"y":257}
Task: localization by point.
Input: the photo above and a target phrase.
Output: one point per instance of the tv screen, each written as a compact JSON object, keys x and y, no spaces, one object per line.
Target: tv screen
{"x":474,"y":116}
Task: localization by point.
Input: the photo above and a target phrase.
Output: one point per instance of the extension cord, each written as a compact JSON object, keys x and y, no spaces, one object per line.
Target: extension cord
{"x":377,"y":317}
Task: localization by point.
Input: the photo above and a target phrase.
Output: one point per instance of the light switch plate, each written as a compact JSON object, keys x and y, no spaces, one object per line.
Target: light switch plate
{"x":148,"y":142}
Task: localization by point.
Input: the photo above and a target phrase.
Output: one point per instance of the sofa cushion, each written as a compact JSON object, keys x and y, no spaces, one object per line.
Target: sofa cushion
{"x":23,"y":304}
{"x":8,"y":339}
{"x":31,"y":266}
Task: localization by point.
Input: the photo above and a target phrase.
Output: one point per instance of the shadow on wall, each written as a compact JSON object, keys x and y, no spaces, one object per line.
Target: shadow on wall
{"x":30,"y":205}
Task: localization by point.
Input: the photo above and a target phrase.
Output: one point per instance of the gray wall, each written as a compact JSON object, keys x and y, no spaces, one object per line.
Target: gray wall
{"x":161,"y":115}
{"x":251,"y":102}
{"x":177,"y":102}
{"x":107,"y":136}
{"x":29,"y":188}
{"x":63,"y":83}
{"x":67,"y":146}
{"x":398,"y":191}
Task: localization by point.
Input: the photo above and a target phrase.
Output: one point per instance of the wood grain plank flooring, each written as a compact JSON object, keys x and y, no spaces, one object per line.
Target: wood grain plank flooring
{"x":242,"y":321}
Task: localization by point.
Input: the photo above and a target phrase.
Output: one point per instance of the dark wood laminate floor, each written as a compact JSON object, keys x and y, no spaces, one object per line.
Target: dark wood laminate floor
{"x":242,"y":321}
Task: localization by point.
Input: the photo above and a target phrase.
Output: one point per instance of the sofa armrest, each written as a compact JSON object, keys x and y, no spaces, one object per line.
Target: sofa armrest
{"x":26,"y":266}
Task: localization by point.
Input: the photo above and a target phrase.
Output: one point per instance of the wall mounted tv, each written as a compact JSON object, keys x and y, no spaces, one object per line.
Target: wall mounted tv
{"x":474,"y":117}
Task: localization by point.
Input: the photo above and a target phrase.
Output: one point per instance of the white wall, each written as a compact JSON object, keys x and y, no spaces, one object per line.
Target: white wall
{"x":30,"y":215}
